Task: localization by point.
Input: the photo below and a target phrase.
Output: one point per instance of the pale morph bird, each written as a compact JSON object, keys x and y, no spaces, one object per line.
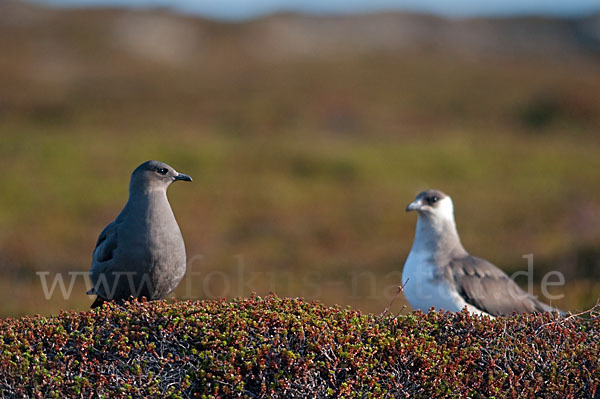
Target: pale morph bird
{"x":442,"y":274}
{"x":141,"y":253}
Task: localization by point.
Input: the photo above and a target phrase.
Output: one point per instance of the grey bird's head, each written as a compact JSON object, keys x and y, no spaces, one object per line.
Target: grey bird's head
{"x":433,"y":204}
{"x":155,"y":175}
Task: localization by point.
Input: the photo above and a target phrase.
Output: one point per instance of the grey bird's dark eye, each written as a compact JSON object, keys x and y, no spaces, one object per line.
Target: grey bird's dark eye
{"x":162,"y":171}
{"x":434,"y":199}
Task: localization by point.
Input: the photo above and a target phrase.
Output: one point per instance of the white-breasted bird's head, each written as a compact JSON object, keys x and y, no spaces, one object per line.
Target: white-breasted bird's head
{"x":436,"y":228}
{"x":433,"y":204}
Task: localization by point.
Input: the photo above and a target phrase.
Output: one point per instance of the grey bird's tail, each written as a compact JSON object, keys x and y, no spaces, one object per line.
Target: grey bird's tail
{"x":99,"y":301}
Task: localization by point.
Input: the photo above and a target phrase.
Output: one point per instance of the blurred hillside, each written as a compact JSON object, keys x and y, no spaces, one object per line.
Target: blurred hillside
{"x":306,"y":137}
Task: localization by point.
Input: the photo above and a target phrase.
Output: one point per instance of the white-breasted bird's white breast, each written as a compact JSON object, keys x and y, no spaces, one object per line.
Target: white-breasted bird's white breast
{"x":424,"y":289}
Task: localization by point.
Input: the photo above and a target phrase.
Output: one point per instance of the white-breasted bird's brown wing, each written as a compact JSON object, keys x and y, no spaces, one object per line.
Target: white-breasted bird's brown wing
{"x":486,"y":287}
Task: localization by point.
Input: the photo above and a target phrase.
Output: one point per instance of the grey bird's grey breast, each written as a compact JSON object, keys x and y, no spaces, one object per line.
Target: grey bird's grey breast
{"x":488,"y":288}
{"x":144,"y":242}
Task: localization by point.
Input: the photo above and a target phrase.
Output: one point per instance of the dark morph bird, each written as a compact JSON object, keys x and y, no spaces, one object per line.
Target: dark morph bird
{"x":141,"y":253}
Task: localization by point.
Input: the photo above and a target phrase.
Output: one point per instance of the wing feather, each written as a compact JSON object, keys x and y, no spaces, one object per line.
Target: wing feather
{"x":107,"y":244}
{"x":488,"y":288}
{"x":103,"y":254}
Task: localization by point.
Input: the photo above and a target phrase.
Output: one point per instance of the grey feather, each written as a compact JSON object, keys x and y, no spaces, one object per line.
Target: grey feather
{"x":488,"y":288}
{"x":106,"y":244}
{"x":142,"y":252}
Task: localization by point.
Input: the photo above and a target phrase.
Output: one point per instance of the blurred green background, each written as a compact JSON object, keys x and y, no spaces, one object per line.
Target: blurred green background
{"x":306,"y":137}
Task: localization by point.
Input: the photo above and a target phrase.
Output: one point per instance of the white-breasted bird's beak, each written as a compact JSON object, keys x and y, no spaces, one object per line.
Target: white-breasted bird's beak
{"x":414,"y":206}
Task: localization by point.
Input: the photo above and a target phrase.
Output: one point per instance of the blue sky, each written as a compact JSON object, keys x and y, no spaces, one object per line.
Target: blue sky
{"x":239,"y":9}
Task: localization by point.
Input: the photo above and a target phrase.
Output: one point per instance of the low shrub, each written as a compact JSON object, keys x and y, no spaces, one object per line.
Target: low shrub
{"x":289,"y":348}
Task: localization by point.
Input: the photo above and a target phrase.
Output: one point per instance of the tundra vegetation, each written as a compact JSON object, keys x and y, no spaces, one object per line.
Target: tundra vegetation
{"x":288,"y":348}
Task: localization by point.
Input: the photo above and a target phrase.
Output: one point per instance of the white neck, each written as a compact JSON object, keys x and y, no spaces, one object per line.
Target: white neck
{"x":436,"y":232}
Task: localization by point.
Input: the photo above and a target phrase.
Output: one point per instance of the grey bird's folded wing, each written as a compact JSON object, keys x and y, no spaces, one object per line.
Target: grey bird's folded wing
{"x":106,"y":246}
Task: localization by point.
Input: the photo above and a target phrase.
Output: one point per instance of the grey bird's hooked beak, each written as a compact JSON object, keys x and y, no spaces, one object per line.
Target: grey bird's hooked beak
{"x":183,"y":177}
{"x":414,"y":206}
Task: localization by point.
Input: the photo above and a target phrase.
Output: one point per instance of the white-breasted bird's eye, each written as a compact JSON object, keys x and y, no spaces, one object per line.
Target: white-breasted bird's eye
{"x":162,"y":171}
{"x":434,"y":199}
